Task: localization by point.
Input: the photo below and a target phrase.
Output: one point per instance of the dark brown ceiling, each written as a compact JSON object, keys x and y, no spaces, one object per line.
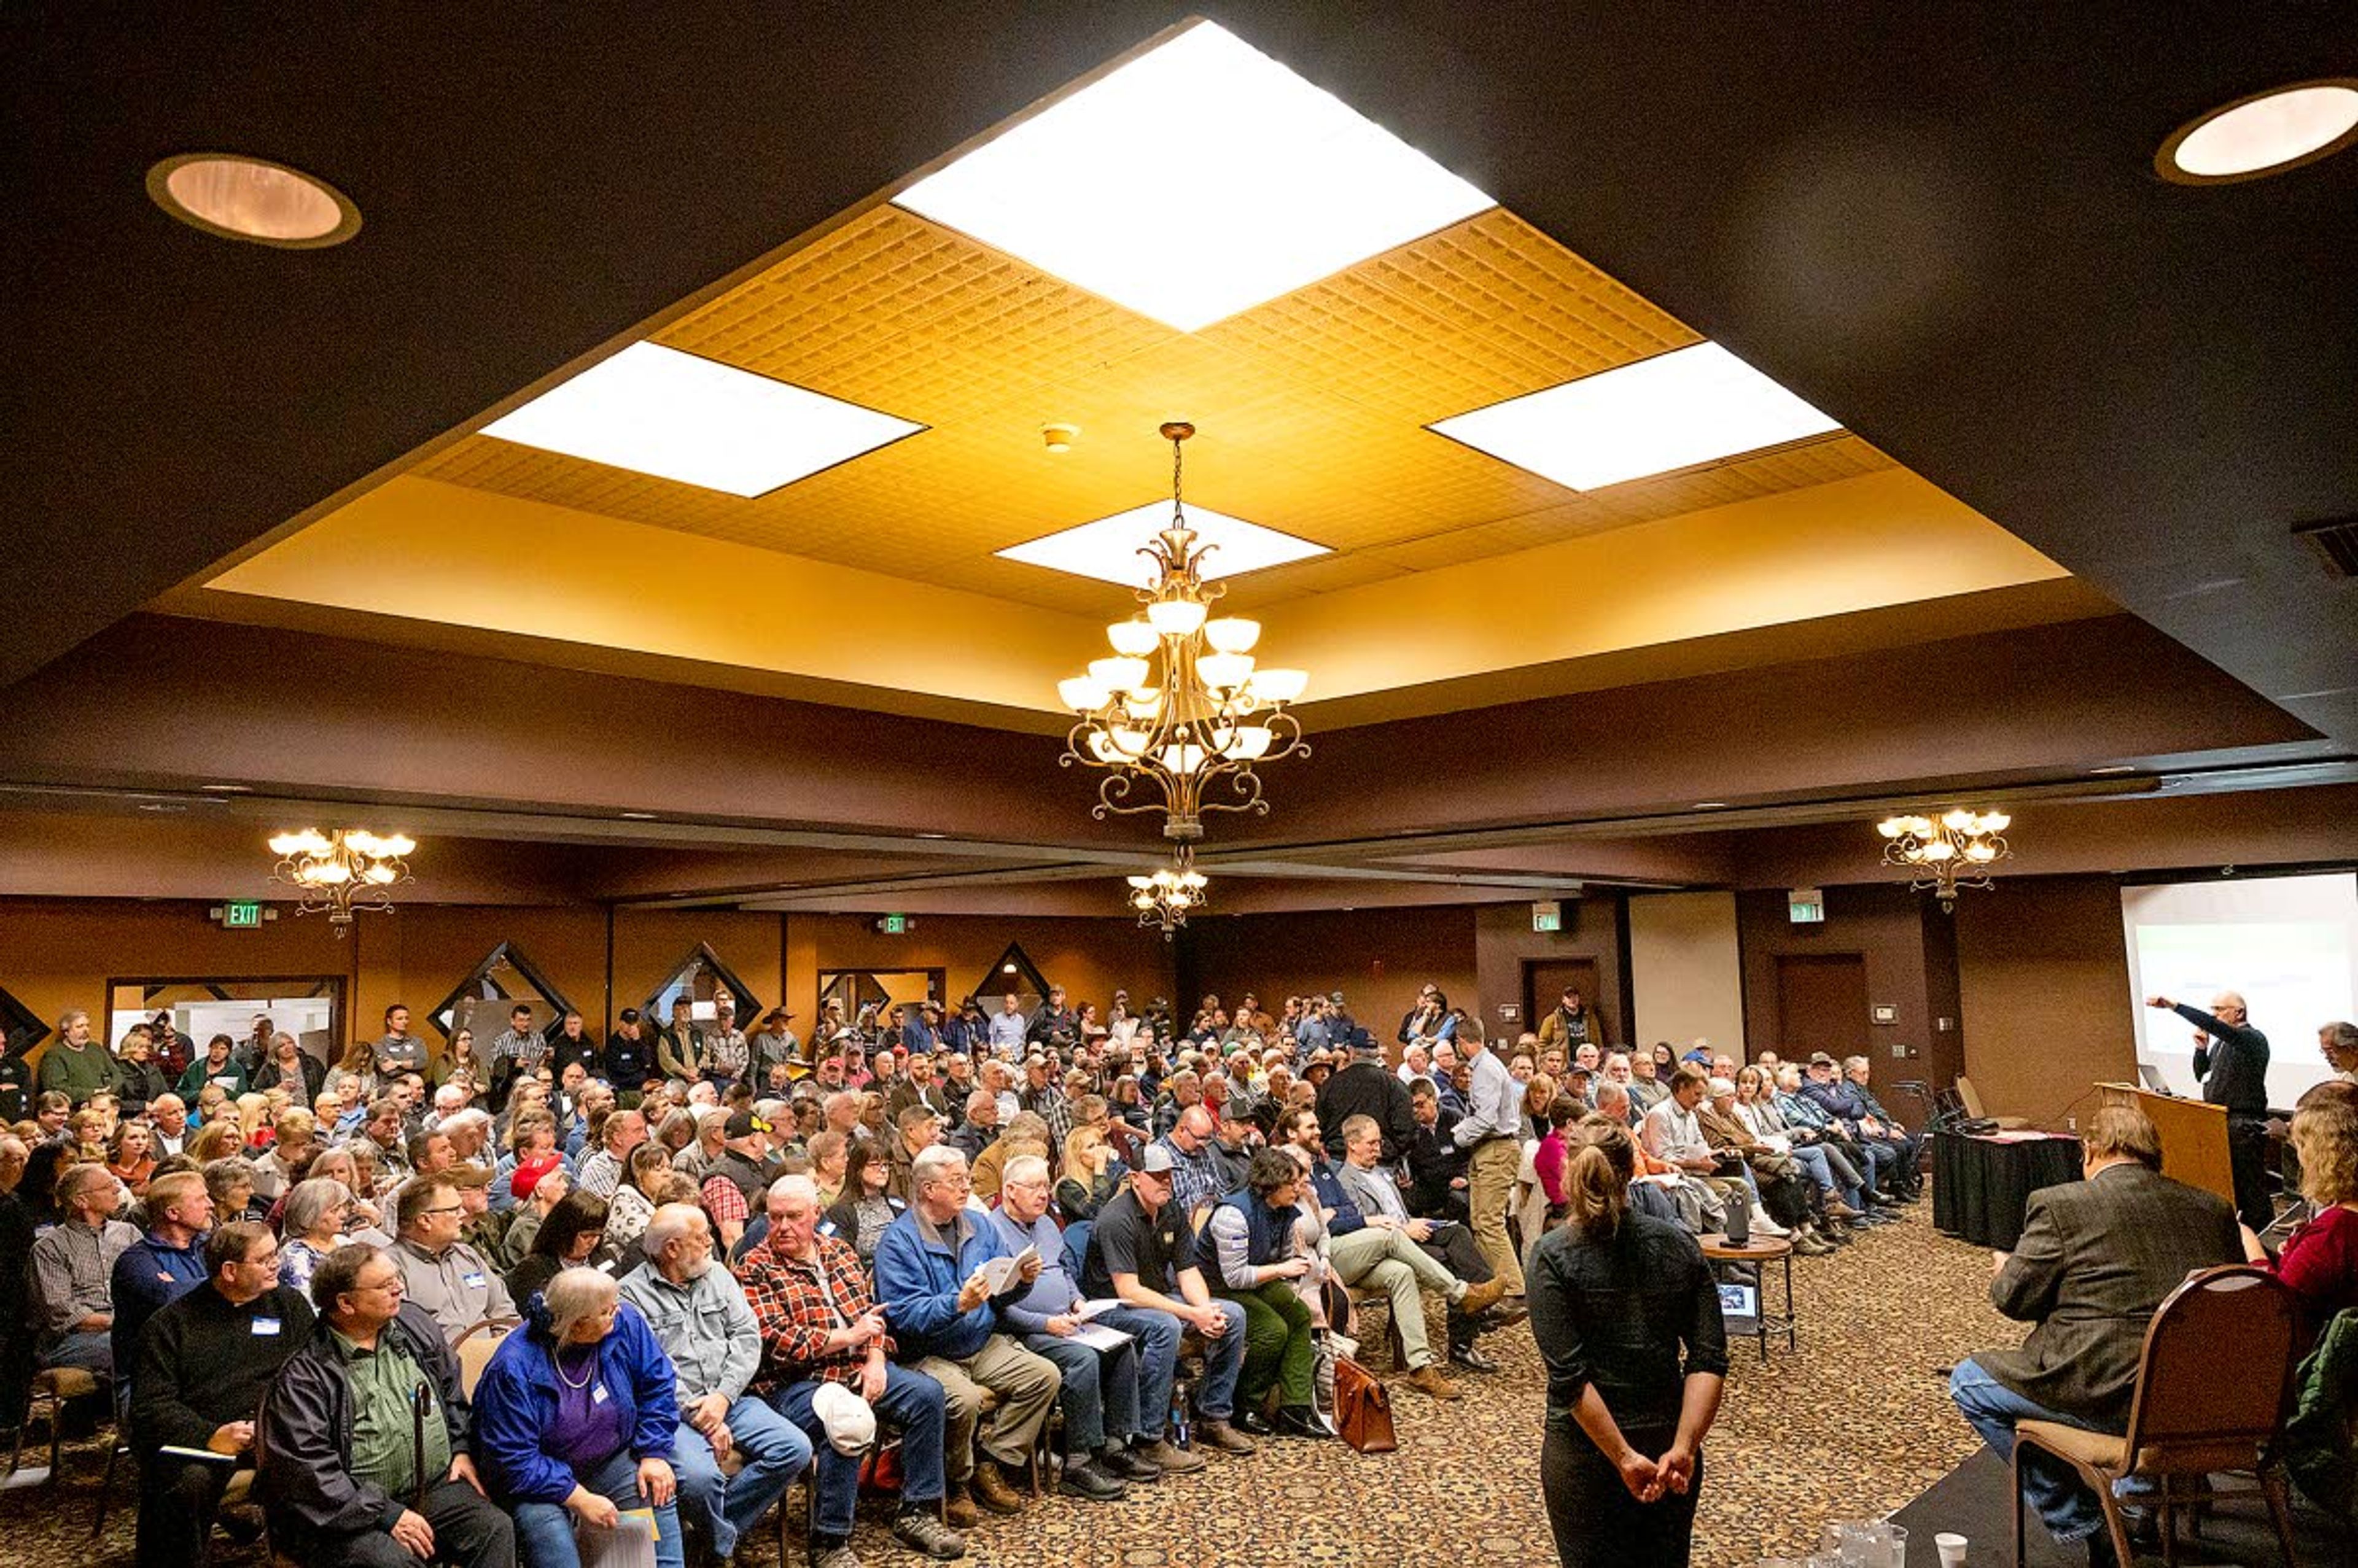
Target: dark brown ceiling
{"x":1939,"y":225}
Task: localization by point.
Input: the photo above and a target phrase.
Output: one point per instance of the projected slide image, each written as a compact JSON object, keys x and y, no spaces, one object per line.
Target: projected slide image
{"x":2287,"y":946}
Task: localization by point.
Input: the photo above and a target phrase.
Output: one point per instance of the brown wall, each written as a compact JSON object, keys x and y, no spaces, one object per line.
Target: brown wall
{"x":1504,"y":941}
{"x":2045,"y":978}
{"x":1903,"y":938}
{"x":1378,"y":958}
{"x":60,"y":953}
{"x":1091,"y":958}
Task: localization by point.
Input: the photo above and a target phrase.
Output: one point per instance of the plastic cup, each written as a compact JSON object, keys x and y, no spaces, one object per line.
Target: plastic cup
{"x":1951,"y":1549}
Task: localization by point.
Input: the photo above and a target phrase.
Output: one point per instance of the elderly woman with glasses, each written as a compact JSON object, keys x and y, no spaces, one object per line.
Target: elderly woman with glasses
{"x":575,"y":1420}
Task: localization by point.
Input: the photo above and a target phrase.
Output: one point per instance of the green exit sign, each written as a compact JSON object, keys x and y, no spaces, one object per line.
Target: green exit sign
{"x":1548,"y":916}
{"x":893,"y":925}
{"x":241,"y":914}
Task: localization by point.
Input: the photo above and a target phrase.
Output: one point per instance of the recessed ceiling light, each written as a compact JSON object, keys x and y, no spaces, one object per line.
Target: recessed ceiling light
{"x":1107,"y":549}
{"x":1711,"y":805}
{"x":1689,"y":406}
{"x":2266,"y":132}
{"x":2116,"y":768}
{"x":227,"y":788}
{"x":933,"y":835}
{"x":167,"y":806}
{"x":677,"y":416}
{"x":1197,"y":181}
{"x":234,"y":197}
{"x":638,"y":816}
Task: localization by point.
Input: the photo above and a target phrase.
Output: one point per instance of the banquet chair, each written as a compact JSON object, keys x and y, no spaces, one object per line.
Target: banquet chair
{"x":2186,"y":1421}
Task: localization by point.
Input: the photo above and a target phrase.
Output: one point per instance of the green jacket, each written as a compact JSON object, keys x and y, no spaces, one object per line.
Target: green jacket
{"x":2321,"y":1440}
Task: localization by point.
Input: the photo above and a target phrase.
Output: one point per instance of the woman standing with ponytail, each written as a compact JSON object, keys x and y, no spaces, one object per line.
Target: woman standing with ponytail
{"x":1626,"y":1312}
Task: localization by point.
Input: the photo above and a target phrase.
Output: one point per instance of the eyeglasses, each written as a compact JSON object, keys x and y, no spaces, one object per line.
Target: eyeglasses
{"x":461,"y":1208}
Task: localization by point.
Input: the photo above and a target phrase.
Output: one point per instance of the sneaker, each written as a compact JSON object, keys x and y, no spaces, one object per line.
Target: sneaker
{"x":1479,"y":1299}
{"x":1302,"y":1420}
{"x":1764,"y":1226}
{"x":1168,"y":1457}
{"x":1217,"y":1433}
{"x":1084,"y":1479}
{"x":919,"y":1530}
{"x":1428,"y":1381}
{"x":1124,"y":1464}
{"x":838,"y":1556}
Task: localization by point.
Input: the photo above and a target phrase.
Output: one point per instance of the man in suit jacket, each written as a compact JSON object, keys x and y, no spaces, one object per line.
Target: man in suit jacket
{"x":2095,"y":1259}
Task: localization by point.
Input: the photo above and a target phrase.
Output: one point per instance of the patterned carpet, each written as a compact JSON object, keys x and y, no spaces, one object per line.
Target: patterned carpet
{"x":1853,"y":1424}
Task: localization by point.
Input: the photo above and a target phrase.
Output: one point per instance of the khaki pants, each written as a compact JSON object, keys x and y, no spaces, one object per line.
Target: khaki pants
{"x":1026,"y":1385}
{"x":1388,"y":1262}
{"x":1490,"y":1189}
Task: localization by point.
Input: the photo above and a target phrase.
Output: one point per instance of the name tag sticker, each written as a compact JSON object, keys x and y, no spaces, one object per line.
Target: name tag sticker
{"x":265,"y":1327}
{"x":598,"y":1395}
{"x":472,"y":1281}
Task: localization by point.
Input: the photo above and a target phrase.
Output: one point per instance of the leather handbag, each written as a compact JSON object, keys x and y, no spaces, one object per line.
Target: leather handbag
{"x":1363,"y":1408}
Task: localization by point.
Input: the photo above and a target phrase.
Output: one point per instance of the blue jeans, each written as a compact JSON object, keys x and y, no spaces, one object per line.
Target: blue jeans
{"x":1813,"y":1159}
{"x":1157,"y":1333}
{"x":1881,"y":1159}
{"x":1100,"y":1395}
{"x":2069,"y":1509}
{"x":910,"y":1401}
{"x":545,"y":1530}
{"x":774,"y":1450}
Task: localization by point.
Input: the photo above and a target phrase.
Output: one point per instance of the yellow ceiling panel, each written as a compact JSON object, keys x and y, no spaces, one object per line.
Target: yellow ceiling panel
{"x":1311,"y":410}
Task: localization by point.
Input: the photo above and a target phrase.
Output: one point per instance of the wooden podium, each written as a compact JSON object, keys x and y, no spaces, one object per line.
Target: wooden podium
{"x":2193,"y":1136}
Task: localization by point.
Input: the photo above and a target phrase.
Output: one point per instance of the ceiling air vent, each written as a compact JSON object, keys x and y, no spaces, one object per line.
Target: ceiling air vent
{"x":2335,"y":542}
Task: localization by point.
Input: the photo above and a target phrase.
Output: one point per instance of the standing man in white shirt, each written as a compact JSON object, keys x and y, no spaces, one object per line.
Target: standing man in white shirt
{"x":1486,"y":1132}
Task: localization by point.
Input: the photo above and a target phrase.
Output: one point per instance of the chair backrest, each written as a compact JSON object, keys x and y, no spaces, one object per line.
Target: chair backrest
{"x":1971,"y":1097}
{"x":476,"y":1347}
{"x":1077,"y":1248}
{"x":2218,"y":1355}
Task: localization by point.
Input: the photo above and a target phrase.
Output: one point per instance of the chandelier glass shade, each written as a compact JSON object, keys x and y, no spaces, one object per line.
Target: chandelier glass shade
{"x":339,"y":872}
{"x":1166,"y":898}
{"x":1947,"y":852}
{"x":1177,"y":719}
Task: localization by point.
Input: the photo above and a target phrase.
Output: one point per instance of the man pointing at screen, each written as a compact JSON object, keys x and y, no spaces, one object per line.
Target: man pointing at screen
{"x":2231,"y":1058}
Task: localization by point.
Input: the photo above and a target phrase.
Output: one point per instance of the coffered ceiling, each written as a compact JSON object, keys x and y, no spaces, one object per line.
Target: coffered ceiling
{"x":2066,"y":391}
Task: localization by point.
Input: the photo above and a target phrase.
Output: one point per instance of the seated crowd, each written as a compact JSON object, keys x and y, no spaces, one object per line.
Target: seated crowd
{"x":733,"y":1259}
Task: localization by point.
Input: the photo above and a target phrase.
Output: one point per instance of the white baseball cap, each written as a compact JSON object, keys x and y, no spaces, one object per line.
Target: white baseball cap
{"x":850,"y":1425}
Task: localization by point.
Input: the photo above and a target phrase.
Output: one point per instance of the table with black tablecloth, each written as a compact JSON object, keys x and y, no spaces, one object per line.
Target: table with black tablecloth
{"x":1982,"y":1185}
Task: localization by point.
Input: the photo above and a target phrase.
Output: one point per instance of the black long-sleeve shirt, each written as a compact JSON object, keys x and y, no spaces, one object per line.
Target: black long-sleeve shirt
{"x":203,"y":1363}
{"x":1617,"y":1313}
{"x":2234,"y":1066}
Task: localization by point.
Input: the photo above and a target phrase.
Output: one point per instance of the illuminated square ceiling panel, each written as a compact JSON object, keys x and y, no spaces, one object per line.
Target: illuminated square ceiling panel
{"x":658,"y":411}
{"x":1107,"y":549}
{"x":1695,"y":405}
{"x":1197,"y":180}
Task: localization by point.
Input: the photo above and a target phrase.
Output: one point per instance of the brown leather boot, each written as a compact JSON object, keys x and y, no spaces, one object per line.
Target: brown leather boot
{"x":991,"y":1489}
{"x":1427,"y":1381}
{"x":960,"y":1508}
{"x":1479,"y":1299}
{"x":1214,"y":1432}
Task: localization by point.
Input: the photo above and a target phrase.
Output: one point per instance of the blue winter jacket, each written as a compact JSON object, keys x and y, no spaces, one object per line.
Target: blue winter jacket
{"x":516,"y":1403}
{"x":918,"y":1271}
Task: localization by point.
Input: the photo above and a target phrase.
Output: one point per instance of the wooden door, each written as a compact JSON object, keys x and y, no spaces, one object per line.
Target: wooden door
{"x":1544,"y":983}
{"x":1821,"y":1005}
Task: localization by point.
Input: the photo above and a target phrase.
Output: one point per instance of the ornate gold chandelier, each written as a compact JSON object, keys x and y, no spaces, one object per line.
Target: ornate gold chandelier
{"x":336,"y":873}
{"x":1170,"y":894}
{"x":1178,"y":717}
{"x":1955,"y":851}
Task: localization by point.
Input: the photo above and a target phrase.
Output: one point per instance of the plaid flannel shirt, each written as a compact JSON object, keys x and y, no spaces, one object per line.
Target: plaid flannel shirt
{"x":794,"y":1317}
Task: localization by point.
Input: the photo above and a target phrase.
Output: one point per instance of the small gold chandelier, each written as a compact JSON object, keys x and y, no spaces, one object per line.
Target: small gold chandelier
{"x":1177,"y":719}
{"x":1953,"y":851}
{"x":339,"y":872}
{"x":1170,"y":894}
